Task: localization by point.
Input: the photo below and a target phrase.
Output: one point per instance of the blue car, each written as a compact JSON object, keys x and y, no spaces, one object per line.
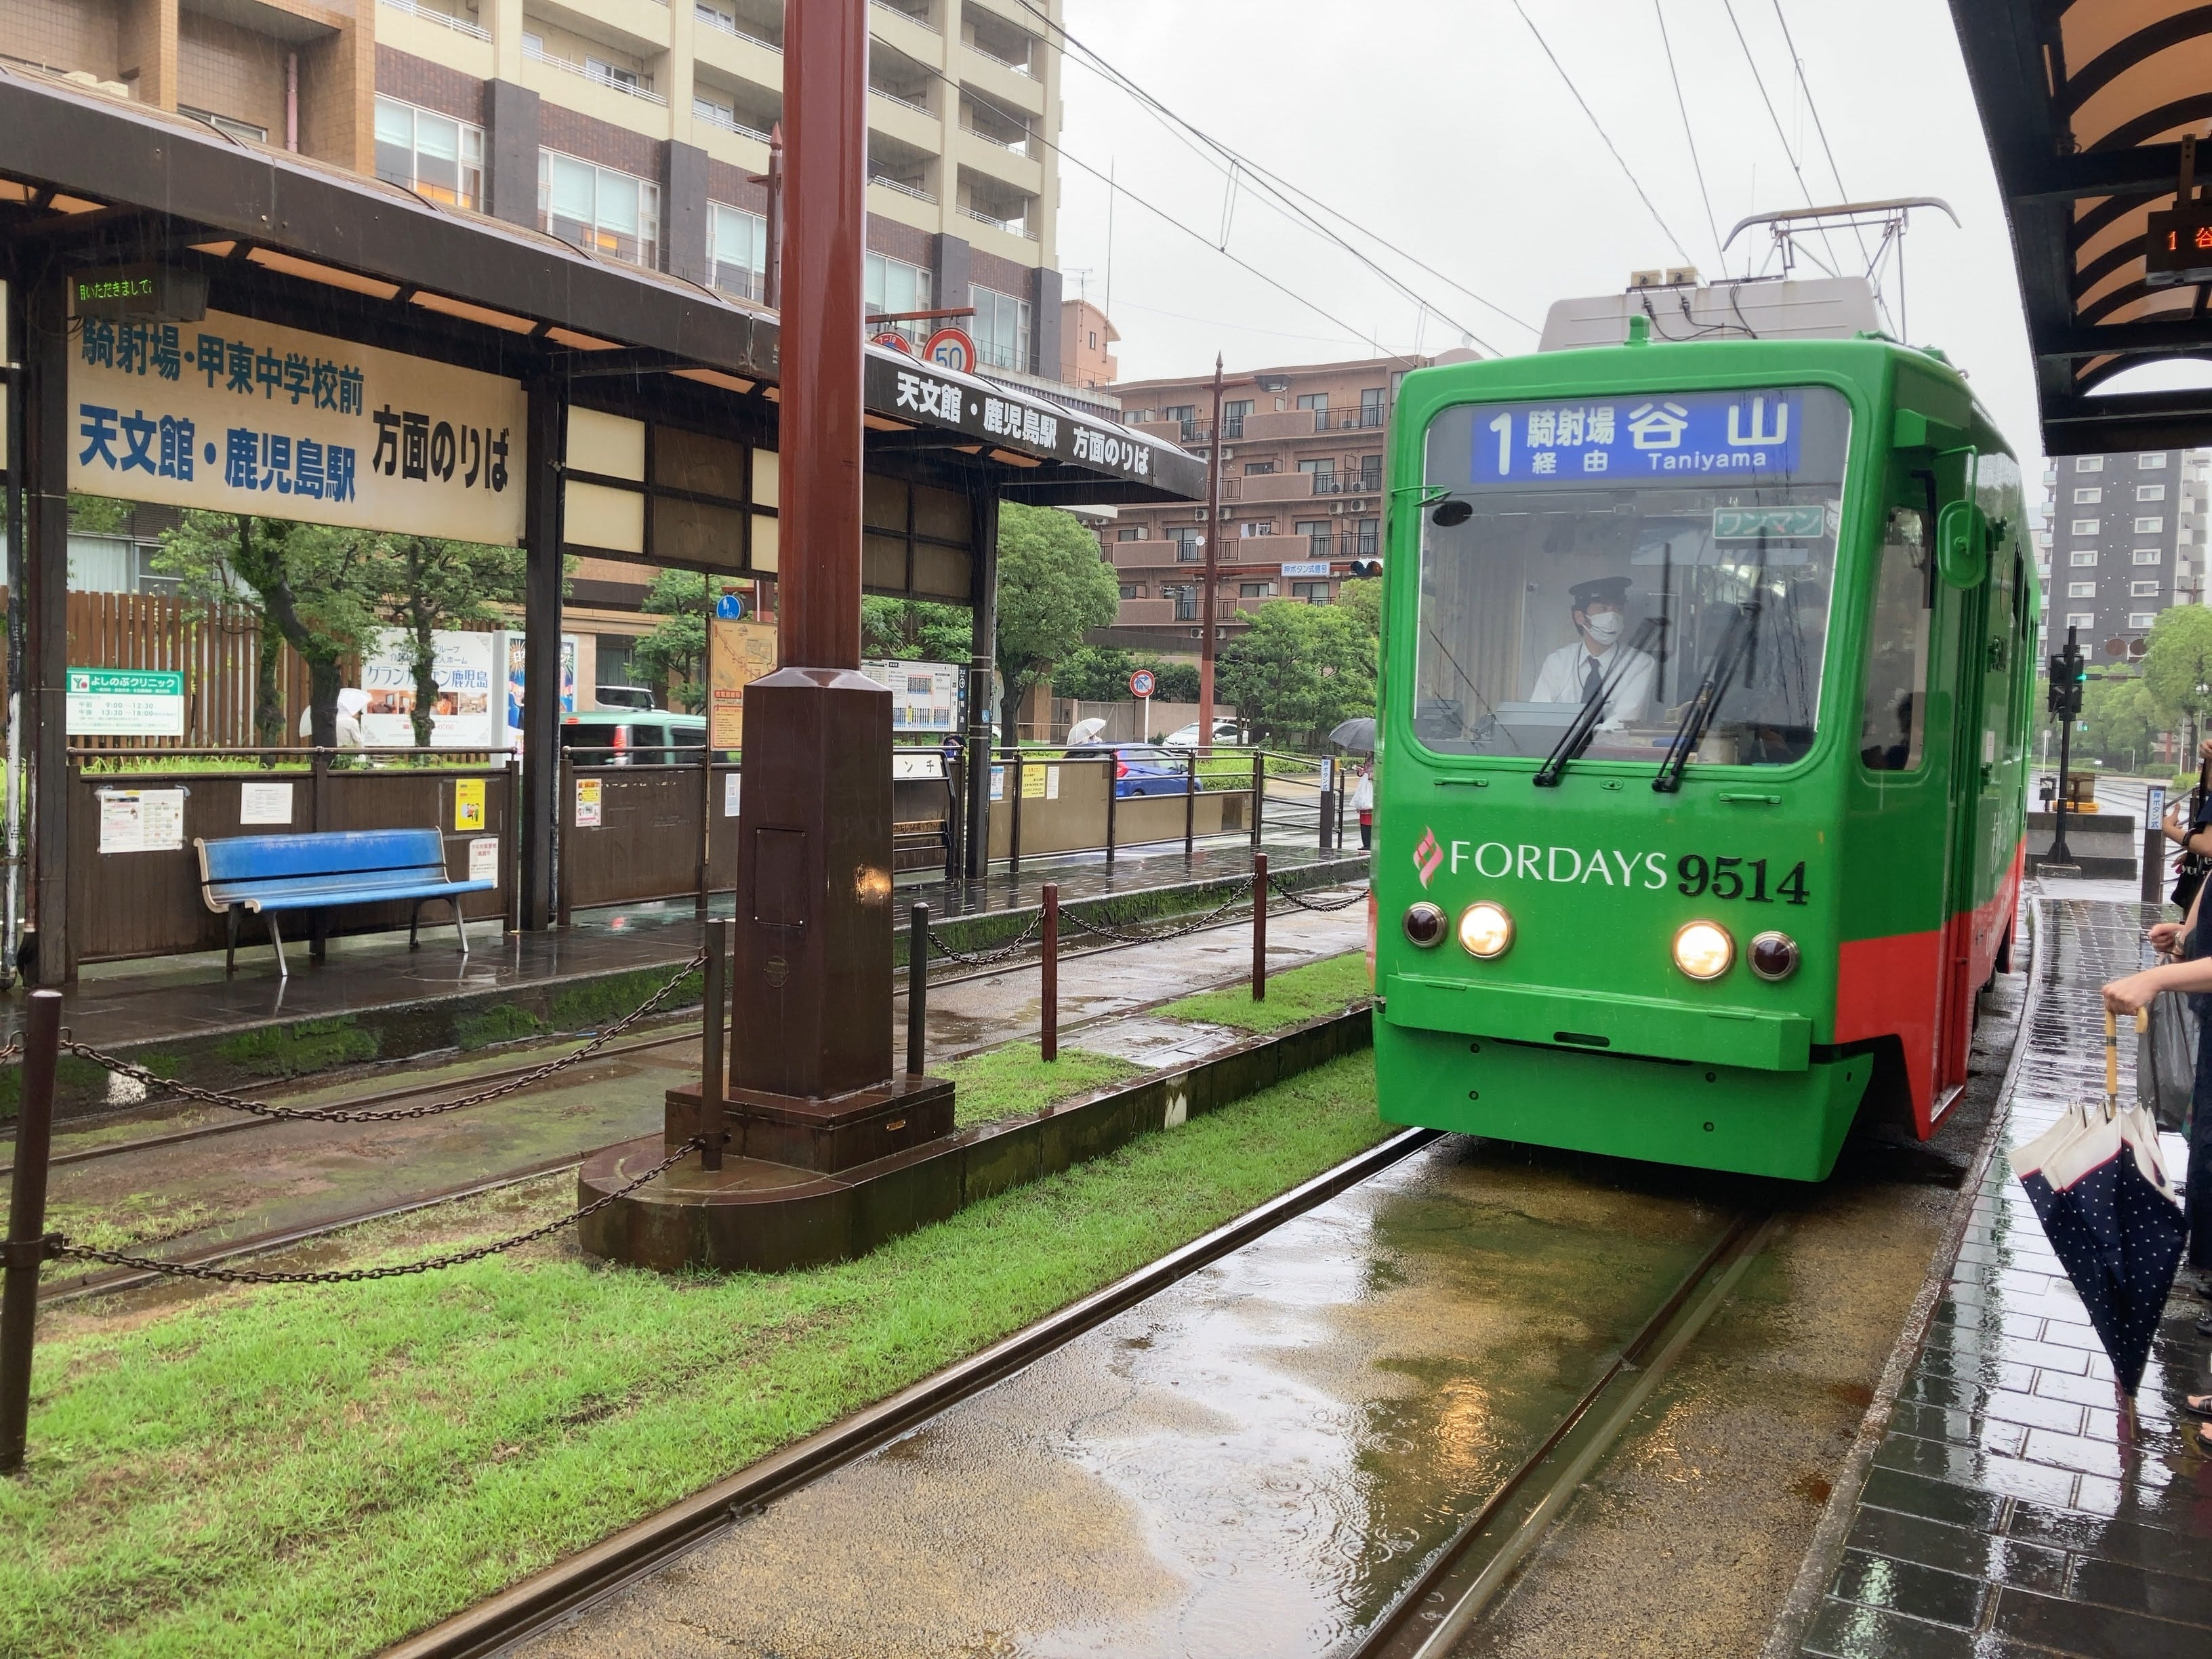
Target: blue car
{"x":1140,"y":768}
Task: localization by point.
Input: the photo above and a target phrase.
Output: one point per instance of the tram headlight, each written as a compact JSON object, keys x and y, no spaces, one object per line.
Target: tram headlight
{"x":1485,"y":930}
{"x":1703,"y":949}
{"x":1773,"y":956}
{"x":1425,"y":924}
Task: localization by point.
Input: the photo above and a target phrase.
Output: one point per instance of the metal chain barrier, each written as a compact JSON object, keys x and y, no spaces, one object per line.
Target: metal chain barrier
{"x":384,"y":1115}
{"x":1239,"y":894}
{"x":1318,"y":907}
{"x":985,"y":958}
{"x":58,"y":1245}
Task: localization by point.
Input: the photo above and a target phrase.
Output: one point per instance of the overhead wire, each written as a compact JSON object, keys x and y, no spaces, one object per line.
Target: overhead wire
{"x":1690,"y":137}
{"x":1599,"y":128}
{"x":1820,"y":127}
{"x":1760,"y":81}
{"x":1279,"y":192}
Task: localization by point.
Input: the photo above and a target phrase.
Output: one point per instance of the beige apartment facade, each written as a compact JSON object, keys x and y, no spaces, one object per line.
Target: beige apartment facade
{"x":1301,"y":452}
{"x":638,"y":129}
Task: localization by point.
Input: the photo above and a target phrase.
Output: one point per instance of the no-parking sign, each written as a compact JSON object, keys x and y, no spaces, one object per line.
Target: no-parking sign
{"x":1142,"y":683}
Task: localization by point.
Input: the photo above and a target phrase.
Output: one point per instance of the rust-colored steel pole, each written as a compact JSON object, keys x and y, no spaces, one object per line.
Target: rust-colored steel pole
{"x":1212,"y":587}
{"x":917,"y":990}
{"x":714,"y":1068}
{"x":825,"y":180}
{"x":1049,"y":1042}
{"x":1259,"y":927}
{"x":27,"y":1225}
{"x":772,"y":279}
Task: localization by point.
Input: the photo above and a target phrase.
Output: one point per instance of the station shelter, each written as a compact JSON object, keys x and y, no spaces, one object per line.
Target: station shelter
{"x":202,"y":321}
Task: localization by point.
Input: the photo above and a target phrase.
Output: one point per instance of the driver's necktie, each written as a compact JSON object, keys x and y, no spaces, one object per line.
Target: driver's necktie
{"x":1593,"y":679}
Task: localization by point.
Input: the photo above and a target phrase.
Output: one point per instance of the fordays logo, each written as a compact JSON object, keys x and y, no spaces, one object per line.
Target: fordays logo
{"x":1429,"y":856}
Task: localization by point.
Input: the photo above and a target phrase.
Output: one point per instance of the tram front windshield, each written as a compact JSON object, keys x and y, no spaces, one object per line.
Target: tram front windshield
{"x":1630,"y":550}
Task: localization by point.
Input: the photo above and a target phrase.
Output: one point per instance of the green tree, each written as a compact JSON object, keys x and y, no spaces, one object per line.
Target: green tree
{"x":319,"y":585}
{"x":425,"y":585}
{"x":1363,"y":599}
{"x":674,"y":654}
{"x":1053,"y":589}
{"x":915,"y":630}
{"x":1299,"y":670}
{"x":1175,"y":682}
{"x":1094,"y":673}
{"x":2178,"y":667}
{"x":2122,"y":723}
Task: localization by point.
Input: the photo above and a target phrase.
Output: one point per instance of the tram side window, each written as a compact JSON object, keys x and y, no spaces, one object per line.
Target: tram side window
{"x":1892,"y":726}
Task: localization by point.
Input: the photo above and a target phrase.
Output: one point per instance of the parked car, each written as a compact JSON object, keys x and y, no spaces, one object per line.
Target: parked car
{"x":1140,"y":768}
{"x":624,"y":737}
{"x":624,"y":696}
{"x":1226,"y":733}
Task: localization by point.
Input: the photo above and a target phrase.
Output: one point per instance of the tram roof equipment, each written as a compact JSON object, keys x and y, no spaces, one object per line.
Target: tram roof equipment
{"x":2084,"y":106}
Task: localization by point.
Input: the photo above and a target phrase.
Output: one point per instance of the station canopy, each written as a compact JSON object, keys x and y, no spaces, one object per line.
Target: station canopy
{"x":88,"y":178}
{"x":2086,"y":107}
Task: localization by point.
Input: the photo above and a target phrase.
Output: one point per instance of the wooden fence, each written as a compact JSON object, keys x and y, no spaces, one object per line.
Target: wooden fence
{"x":217,"y":647}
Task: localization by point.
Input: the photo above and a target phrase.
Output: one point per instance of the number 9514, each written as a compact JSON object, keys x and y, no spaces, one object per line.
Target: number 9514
{"x":1697,"y":877}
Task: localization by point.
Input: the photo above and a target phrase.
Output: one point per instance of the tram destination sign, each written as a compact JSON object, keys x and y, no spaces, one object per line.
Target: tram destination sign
{"x":148,"y":291}
{"x":1669,"y":436}
{"x":237,"y":415}
{"x":2177,"y":247}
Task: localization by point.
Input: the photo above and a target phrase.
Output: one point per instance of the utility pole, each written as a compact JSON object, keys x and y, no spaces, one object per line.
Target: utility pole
{"x":772,"y":276}
{"x":1213,"y":575}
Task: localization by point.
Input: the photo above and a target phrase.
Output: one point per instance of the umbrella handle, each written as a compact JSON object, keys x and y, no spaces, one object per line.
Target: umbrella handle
{"x":2112,"y":1061}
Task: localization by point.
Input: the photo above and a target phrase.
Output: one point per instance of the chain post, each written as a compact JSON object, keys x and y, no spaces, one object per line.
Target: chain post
{"x":714,"y":1069}
{"x":1014,"y":826}
{"x":1259,"y":791}
{"x":917,"y":988}
{"x":1050,"y":1037}
{"x":1259,"y":927}
{"x":1189,"y":802}
{"x":27,"y":1225}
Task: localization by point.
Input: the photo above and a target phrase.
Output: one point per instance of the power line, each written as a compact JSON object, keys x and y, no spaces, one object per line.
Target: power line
{"x":1760,"y":81}
{"x":1691,"y":138}
{"x":1595,"y":126}
{"x":1818,"y":125}
{"x":1274,"y":186}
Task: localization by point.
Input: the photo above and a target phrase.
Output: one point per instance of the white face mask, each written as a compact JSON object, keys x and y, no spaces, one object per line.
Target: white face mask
{"x":1603,"y":626}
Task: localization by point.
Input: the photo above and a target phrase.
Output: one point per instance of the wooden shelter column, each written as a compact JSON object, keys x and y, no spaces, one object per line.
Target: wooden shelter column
{"x":541,"y":650}
{"x":982,"y":657}
{"x":46,"y":646}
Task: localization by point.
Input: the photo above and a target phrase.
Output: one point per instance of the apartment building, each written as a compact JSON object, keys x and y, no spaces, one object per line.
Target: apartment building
{"x":1301,"y":452}
{"x":638,"y":129}
{"x":1087,"y":338}
{"x":2124,"y":538}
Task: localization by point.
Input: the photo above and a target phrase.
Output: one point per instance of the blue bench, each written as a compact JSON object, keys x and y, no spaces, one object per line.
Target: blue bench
{"x":268,"y":873}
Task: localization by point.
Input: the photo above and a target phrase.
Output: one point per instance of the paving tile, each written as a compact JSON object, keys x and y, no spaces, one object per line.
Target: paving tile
{"x":1960,"y":1427}
{"x":1908,"y":1586}
{"x":2036,"y":1411}
{"x":2074,"y":1451}
{"x":1935,"y":1500}
{"x":2160,"y":1594}
{"x":1964,"y":1467}
{"x":1844,"y":1630}
{"x":1987,"y":1370}
{"x":1991,"y":1557}
{"x":2086,"y":1390}
{"x":2076,"y":1627}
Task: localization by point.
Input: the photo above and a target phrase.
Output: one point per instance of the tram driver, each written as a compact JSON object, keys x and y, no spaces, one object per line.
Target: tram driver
{"x":1578,"y":672}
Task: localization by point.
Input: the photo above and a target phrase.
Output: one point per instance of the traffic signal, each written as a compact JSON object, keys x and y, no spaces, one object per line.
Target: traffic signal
{"x":1362,"y":569}
{"x":2069,"y":669}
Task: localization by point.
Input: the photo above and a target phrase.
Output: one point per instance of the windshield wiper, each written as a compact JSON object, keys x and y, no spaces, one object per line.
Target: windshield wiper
{"x":1576,"y":737}
{"x":1720,"y":674}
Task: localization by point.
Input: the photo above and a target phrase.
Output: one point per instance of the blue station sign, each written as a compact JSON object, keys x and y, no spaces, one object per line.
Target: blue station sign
{"x":1675,"y":436}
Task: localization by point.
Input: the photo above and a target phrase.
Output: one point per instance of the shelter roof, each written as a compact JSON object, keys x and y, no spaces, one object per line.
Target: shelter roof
{"x":2084,"y":106}
{"x":95,"y":177}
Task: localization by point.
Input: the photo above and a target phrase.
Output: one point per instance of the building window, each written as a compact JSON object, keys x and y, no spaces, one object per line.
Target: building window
{"x":1317,"y":404}
{"x":1132,"y":590}
{"x":1258,"y":469}
{"x":2143,"y":590}
{"x":736,"y":251}
{"x":2150,"y":527}
{"x":2141,"y":619}
{"x":2088,"y":462}
{"x":2148,"y":555}
{"x":1094,"y":340}
{"x":2083,"y":555}
{"x":1252,"y":527}
{"x":892,"y":286}
{"x":1186,"y":602}
{"x":1185,"y":414}
{"x":2081,"y":619}
{"x":616,"y":215}
{"x":1320,"y":535}
{"x":1188,"y":544}
{"x":1232,"y":416}
{"x":2152,"y":462}
{"x":1323,"y":474}
{"x":2150,"y":492}
{"x":1309,"y":592}
{"x":1127,"y":534}
{"x":418,"y":150}
{"x":2085,"y":526}
{"x":2088,"y":497}
{"x":1371,"y":406}
{"x":2081,"y":590}
{"x":1370,"y":537}
{"x":1255,"y":590}
{"x":1002,"y":329}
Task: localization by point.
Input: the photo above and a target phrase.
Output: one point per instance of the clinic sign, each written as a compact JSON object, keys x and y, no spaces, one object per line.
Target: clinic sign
{"x":125,"y":702}
{"x":232,"y":415}
{"x":1672,"y":437}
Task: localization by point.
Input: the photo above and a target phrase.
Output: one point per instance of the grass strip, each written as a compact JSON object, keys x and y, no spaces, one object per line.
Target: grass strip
{"x":1015,"y":1082}
{"x":1293,"y":998}
{"x":283,"y":1471}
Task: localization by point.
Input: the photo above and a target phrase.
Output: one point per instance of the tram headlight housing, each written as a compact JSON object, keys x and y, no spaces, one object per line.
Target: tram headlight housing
{"x":1773,"y":956}
{"x":1425,"y":924}
{"x":1485,"y":931}
{"x":1704,"y":949}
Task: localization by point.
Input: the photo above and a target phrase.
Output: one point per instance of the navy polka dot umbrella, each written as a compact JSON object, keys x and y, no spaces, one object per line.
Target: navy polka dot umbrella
{"x":2112,"y":1217}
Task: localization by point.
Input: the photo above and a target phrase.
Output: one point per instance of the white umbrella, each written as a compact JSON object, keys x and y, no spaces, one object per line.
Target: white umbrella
{"x":1086,"y":730}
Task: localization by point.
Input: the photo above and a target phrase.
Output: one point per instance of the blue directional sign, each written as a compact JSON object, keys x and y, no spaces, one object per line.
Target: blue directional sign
{"x":731,"y":607}
{"x":1670,"y":437}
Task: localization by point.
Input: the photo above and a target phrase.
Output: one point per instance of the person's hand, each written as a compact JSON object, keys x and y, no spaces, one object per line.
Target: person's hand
{"x":2205,"y":749}
{"x":2133,"y":992}
{"x":2165,"y":937}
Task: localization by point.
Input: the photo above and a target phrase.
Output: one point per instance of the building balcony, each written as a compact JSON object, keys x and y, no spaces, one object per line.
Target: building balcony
{"x":1159,"y":555}
{"x":638,"y":87}
{"x":439,"y":18}
{"x":1141,"y":613}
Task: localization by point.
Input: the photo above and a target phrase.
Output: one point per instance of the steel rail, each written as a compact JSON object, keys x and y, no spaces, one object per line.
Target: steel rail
{"x":546,"y":1597}
{"x":203,"y":1131}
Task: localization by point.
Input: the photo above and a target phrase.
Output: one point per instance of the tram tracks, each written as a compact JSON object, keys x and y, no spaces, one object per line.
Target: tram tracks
{"x":119,"y":1280}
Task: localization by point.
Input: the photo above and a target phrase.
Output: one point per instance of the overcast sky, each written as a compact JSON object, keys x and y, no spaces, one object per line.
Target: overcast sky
{"x":1440,"y":125}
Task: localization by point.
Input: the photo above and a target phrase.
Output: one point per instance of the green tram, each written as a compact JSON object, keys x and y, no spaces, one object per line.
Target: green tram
{"x":1709,"y":671}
